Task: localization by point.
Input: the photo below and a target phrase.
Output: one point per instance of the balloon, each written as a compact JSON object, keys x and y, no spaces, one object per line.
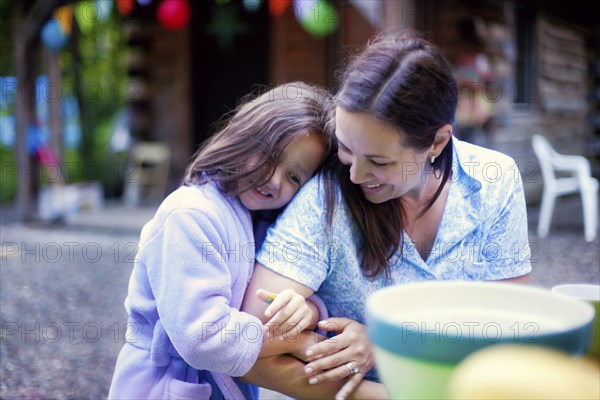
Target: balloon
{"x":125,"y":7}
{"x":64,"y":16}
{"x":85,"y":15}
{"x":321,"y":21}
{"x":45,"y":156}
{"x":35,"y":138}
{"x":304,"y":9}
{"x":52,"y":36}
{"x":277,"y":7}
{"x":104,"y":7}
{"x":174,"y":14}
{"x":252,"y":5}
{"x":144,"y":2}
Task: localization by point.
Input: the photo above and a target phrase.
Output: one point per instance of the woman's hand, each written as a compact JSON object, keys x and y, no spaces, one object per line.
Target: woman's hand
{"x":288,"y":312}
{"x":347,"y":355}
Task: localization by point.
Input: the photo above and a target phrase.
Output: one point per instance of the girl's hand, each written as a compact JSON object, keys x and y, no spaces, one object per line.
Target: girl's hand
{"x":288,"y":312}
{"x":339,"y":357}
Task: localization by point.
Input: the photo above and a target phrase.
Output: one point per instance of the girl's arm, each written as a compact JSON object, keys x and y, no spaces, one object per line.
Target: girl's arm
{"x":289,"y":313}
{"x":191,"y":284}
{"x":283,"y":333}
{"x":265,"y":279}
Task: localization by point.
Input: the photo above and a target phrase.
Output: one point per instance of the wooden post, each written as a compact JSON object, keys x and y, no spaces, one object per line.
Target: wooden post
{"x":24,"y":116}
{"x":30,"y":16}
{"x":54,"y":99}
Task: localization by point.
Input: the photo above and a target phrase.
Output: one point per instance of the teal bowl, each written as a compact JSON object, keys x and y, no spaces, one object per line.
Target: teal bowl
{"x":421,"y":331}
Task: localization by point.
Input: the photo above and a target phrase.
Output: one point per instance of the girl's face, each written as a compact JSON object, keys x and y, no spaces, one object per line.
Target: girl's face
{"x":379,"y":163}
{"x":299,"y":161}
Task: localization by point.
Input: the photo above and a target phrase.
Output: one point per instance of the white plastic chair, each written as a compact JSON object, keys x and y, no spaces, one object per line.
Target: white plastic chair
{"x":578,"y":179}
{"x":148,"y":176}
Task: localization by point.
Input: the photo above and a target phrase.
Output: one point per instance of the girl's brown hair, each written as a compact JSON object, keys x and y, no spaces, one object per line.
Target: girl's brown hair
{"x":245,"y":151}
{"x":407,"y":83}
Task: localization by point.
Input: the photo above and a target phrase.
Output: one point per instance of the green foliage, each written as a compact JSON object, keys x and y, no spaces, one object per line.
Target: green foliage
{"x":101,"y":67}
{"x":100,"y":74}
{"x":93,"y":68}
{"x":8,"y":175}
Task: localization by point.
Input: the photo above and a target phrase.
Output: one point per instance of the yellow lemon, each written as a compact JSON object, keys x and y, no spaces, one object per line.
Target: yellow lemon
{"x":524,"y":372}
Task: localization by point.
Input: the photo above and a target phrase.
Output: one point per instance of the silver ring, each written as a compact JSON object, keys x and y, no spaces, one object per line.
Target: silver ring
{"x":351,"y":368}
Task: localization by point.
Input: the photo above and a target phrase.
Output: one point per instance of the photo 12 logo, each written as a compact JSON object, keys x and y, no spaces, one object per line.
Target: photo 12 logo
{"x":70,"y":331}
{"x":471,"y":331}
{"x":55,"y":252}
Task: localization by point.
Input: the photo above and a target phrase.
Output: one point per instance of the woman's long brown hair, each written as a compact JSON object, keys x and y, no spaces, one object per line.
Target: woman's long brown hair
{"x":246,"y":149}
{"x":406,"y":82}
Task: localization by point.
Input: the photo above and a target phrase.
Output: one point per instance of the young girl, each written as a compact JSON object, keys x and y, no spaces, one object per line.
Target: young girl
{"x":186,"y":336}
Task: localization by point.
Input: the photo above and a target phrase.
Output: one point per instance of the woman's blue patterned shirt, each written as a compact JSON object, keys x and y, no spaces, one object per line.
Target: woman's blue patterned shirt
{"x":482,"y":236}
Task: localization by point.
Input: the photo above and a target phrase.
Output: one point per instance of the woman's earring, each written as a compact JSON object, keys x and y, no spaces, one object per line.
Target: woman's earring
{"x":432,"y":159}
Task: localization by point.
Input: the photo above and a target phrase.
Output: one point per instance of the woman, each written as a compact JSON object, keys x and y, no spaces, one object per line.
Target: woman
{"x":403,"y":201}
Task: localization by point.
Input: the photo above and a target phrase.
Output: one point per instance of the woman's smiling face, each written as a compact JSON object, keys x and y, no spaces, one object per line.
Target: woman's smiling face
{"x":379,"y":163}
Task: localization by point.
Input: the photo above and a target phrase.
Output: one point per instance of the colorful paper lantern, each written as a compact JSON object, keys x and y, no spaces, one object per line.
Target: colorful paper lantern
{"x":104,"y":8}
{"x":278,"y":7}
{"x":52,"y":36}
{"x":45,"y":156}
{"x":174,"y":14}
{"x":34,"y":139}
{"x":252,"y":5}
{"x":125,"y":7}
{"x":304,"y":9}
{"x":85,"y":15}
{"x":318,"y":18}
{"x":64,"y":16}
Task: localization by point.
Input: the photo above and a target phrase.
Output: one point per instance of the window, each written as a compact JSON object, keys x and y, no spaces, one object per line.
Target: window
{"x":525,"y":71}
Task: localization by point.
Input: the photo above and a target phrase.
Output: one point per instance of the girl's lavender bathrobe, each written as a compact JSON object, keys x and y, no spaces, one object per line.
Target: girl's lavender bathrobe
{"x":186,"y":337}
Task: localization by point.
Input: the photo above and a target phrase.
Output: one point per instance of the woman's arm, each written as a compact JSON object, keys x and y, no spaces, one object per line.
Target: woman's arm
{"x":292,"y":343}
{"x":351,"y":345}
{"x":284,"y":374}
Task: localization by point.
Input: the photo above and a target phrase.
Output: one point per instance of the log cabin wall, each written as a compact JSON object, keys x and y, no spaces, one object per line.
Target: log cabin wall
{"x":182,"y":82}
{"x":295,"y":55}
{"x":538,"y":62}
{"x":557,"y":106}
{"x":563,"y":84}
{"x":172,"y":87}
{"x":160,"y":91}
{"x":540,"y":75}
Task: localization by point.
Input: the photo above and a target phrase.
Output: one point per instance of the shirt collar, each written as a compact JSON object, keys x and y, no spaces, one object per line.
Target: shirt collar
{"x":463,"y":169}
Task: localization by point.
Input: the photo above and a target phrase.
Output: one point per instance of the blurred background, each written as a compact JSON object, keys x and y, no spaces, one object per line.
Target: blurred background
{"x":84,"y":82}
{"x":103,"y":102}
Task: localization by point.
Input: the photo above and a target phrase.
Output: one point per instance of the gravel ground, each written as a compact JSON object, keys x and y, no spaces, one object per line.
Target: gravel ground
{"x":62,"y":311}
{"x":62,"y":291}
{"x":563,"y":256}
